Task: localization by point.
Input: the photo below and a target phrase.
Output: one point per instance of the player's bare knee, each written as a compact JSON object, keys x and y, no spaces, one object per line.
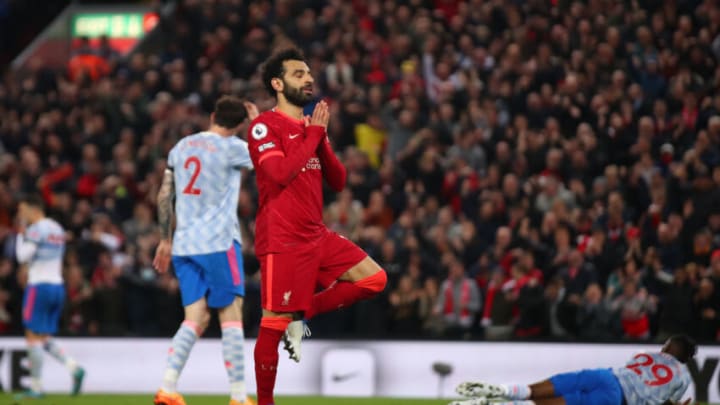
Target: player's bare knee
{"x":33,"y":338}
{"x":270,"y":314}
{"x":238,"y":304}
{"x":204,"y":321}
{"x":198,"y":319}
{"x":232,"y":312}
{"x":382,"y":281}
{"x":361,"y":271}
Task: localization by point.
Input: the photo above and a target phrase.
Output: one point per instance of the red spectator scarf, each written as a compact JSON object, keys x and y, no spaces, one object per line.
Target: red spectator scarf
{"x":489,"y":298}
{"x":506,"y":262}
{"x":449,"y":308}
{"x":525,"y":279}
{"x":52,"y":177}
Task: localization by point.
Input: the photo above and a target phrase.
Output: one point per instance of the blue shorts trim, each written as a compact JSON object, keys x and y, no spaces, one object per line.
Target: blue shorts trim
{"x":42,"y":307}
{"x":218,"y":277}
{"x":588,"y":387}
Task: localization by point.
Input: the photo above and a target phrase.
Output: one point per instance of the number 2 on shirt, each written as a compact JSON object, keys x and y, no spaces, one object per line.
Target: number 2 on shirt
{"x":662,"y":373}
{"x":197,"y":166}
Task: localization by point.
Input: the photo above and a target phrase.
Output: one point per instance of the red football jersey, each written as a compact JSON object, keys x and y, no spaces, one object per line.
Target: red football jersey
{"x":290,"y":208}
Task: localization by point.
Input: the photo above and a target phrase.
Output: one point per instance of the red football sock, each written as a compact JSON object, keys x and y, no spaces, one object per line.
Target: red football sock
{"x":266,"y":356}
{"x":344,"y":293}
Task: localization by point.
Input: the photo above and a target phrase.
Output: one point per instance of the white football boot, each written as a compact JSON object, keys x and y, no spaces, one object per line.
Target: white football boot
{"x":293,"y":337}
{"x":473,"y":401}
{"x":480,"y":389}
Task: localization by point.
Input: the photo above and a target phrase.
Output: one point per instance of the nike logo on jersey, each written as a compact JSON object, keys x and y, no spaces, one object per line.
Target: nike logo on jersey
{"x":293,"y":136}
{"x":344,"y":377}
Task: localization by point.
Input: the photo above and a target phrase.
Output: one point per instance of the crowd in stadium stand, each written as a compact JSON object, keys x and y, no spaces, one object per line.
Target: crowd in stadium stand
{"x":521,"y":169}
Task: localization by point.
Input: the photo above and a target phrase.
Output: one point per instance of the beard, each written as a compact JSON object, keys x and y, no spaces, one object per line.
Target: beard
{"x":296,"y":95}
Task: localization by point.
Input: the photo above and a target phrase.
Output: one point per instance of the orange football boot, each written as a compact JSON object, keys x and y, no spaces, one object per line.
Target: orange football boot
{"x":166,"y":398}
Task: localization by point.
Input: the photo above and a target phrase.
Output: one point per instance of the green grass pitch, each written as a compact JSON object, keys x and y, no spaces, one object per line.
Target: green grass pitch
{"x":108,"y":399}
{"x":100,"y":399}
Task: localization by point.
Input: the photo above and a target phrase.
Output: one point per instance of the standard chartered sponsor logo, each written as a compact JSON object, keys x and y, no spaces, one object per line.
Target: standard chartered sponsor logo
{"x":313,"y":164}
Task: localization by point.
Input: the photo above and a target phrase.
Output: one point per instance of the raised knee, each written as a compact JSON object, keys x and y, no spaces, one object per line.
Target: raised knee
{"x":277,"y":322}
{"x":375,"y":283}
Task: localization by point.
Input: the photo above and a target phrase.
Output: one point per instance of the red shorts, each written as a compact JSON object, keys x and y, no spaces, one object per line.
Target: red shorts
{"x":289,"y":279}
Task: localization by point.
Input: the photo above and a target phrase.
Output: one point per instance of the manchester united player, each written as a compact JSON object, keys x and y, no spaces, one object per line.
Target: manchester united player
{"x":647,"y":379}
{"x":292,"y":155}
{"x":42,"y":247}
{"x":205,"y":248}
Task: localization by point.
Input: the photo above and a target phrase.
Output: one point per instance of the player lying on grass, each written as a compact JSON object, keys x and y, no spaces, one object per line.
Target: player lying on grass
{"x":648,"y":379}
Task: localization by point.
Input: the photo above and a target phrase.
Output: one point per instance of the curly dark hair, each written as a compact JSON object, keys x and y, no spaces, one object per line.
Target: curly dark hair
{"x":273,"y":66}
{"x":684,"y":347}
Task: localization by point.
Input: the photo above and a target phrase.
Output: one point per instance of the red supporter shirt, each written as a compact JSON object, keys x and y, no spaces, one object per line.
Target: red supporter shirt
{"x":290,"y":160}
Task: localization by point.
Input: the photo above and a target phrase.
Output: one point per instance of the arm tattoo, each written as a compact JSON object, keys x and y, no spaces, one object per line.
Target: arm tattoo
{"x":165,"y":204}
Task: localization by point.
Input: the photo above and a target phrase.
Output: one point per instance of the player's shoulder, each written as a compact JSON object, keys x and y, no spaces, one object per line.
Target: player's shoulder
{"x":199,"y":140}
{"x":180,"y":142}
{"x":35,"y":230}
{"x":685,"y":372}
{"x":237,"y":141}
{"x":52,"y":224}
{"x":262,"y":126}
{"x":43,"y":227}
{"x":236,"y":147}
{"x":269,"y":116}
{"x":194,"y":137}
{"x":190,"y":138}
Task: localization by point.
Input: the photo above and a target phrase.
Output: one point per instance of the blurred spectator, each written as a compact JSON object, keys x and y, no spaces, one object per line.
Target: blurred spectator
{"x":577,"y":275}
{"x":559,"y":313}
{"x":77,"y":312}
{"x":676,"y":315}
{"x":458,"y":301}
{"x":9,"y":291}
{"x":616,"y":281}
{"x":498,"y":314}
{"x":635,"y":306}
{"x":706,"y":311}
{"x":432,"y":323}
{"x":595,"y":321}
{"x":370,"y":139}
{"x":567,"y":138}
{"x":405,"y":308}
{"x":86,"y":64}
{"x":345,"y":215}
{"x":110,"y":314}
{"x":530,"y":307}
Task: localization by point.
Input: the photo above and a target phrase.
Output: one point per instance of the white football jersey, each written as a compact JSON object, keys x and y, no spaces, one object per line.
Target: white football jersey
{"x":45,"y":263}
{"x":653,"y":378}
{"x":206,"y":169}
